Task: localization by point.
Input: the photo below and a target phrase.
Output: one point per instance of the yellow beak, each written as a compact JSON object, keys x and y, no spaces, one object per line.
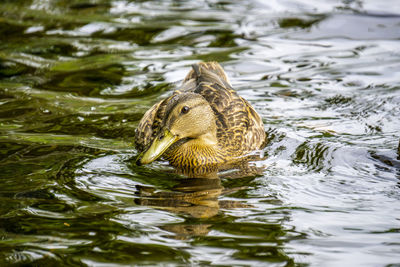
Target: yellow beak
{"x":161,"y":143}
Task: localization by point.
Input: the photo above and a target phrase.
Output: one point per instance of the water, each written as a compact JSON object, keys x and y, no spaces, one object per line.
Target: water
{"x":76,"y":77}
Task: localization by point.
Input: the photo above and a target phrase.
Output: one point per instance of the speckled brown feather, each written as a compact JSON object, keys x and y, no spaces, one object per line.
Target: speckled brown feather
{"x":239,"y":128}
{"x":150,"y":124}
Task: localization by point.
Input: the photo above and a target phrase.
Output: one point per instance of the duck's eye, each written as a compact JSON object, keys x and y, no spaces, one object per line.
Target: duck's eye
{"x":185,"y":110}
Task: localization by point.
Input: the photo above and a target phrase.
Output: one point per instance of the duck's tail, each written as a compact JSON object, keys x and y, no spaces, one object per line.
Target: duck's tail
{"x":207,"y":72}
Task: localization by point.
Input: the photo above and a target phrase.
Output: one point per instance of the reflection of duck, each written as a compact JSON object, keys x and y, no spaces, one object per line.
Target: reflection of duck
{"x":203,"y":125}
{"x":197,"y":197}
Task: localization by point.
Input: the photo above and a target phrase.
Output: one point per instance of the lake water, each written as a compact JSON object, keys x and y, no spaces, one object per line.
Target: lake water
{"x":77,"y":76}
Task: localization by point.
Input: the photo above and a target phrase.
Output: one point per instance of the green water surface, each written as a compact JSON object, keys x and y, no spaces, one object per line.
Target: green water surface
{"x":77,"y":76}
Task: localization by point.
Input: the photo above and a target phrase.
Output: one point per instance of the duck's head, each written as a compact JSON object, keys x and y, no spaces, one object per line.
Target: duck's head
{"x":188,"y":116}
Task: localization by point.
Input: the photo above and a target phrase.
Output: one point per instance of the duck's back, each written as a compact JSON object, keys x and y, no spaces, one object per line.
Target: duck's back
{"x":239,"y":127}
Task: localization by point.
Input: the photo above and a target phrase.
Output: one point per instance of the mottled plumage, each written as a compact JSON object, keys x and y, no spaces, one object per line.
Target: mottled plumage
{"x":206,"y":121}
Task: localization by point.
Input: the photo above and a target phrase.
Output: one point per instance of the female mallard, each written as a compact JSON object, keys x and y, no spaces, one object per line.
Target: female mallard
{"x":204,"y":123}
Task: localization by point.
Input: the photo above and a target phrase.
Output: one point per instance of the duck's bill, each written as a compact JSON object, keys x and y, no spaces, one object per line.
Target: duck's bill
{"x":161,"y":143}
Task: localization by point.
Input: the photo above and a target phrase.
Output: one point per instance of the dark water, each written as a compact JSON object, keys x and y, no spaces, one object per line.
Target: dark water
{"x":76,"y":77}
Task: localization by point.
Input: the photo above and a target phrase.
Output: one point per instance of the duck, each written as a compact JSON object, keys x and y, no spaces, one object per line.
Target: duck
{"x":202,"y":125}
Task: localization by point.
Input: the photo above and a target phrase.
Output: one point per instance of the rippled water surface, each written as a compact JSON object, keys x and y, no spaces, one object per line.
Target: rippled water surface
{"x":77,"y":76}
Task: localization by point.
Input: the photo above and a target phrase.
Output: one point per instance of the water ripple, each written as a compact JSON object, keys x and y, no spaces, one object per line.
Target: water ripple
{"x":75,"y":79}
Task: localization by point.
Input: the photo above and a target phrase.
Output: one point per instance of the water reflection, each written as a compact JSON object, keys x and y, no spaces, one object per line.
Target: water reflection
{"x":197,"y":197}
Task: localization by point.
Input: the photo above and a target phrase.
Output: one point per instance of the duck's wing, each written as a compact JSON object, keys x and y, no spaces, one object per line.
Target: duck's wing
{"x":238,"y":124}
{"x":150,"y":124}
